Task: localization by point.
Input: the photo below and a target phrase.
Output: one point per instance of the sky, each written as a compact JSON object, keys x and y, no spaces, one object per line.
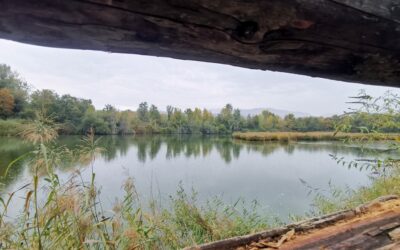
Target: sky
{"x":125,"y":80}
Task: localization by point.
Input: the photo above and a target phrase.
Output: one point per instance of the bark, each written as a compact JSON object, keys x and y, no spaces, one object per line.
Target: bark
{"x":365,"y":232}
{"x":356,"y":41}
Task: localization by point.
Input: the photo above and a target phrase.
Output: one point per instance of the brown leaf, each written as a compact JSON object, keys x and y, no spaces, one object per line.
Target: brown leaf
{"x":286,"y":237}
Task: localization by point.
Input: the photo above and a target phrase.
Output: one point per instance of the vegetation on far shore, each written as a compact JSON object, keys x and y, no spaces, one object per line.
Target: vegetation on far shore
{"x":18,"y":105}
{"x":312,"y":136}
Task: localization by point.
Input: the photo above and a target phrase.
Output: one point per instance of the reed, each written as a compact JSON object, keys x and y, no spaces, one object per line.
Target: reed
{"x":335,"y":199}
{"x":312,"y":136}
{"x":69,"y":214}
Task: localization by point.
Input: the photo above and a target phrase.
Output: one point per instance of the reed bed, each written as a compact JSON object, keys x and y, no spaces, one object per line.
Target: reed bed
{"x":69,"y":214}
{"x":312,"y":136}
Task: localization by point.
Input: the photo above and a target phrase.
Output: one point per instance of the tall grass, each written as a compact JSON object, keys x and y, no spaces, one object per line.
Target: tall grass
{"x":311,"y":136}
{"x":385,"y":176}
{"x":12,"y":127}
{"x":69,"y":214}
{"x":336,"y":199}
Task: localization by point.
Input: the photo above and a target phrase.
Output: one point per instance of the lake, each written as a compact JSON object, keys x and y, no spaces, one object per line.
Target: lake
{"x":271,"y":173}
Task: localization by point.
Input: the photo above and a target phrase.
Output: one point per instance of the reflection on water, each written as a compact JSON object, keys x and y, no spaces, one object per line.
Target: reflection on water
{"x":10,"y":150}
{"x":148,"y":147}
{"x":214,"y":166}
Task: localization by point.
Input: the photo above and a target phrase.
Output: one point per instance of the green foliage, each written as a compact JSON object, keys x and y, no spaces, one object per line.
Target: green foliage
{"x":76,"y":115}
{"x":313,"y":136}
{"x":71,"y":110}
{"x":66,"y":110}
{"x":372,"y":117}
{"x":44,"y":101}
{"x":93,"y":119}
{"x":143,"y":112}
{"x":11,"y":81}
{"x":11,"y":127}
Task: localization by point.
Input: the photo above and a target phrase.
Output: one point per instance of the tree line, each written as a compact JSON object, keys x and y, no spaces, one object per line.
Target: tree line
{"x":77,"y":115}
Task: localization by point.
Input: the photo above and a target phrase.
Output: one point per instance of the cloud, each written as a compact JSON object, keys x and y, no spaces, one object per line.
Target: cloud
{"x":126,"y":80}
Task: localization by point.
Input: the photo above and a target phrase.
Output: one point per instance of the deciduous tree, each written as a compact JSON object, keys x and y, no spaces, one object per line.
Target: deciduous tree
{"x":6,"y":103}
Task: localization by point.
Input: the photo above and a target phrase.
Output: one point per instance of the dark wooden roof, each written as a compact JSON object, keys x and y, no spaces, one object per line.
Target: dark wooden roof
{"x":356,"y":41}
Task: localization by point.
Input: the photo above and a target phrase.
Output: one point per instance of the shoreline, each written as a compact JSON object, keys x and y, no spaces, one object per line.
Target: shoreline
{"x":312,"y":136}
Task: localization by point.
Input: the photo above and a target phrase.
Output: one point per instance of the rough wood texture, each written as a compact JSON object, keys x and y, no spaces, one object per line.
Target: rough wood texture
{"x":369,"y":226}
{"x":350,"y":40}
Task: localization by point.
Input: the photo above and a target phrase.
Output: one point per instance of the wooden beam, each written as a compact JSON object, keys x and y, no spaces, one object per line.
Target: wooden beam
{"x":365,"y":227}
{"x":356,"y":41}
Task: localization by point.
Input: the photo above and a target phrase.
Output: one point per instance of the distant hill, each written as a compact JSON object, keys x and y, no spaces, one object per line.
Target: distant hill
{"x":256,"y":111}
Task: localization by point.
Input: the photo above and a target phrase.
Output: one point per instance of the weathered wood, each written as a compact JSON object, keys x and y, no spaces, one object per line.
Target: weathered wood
{"x":338,"y":39}
{"x":395,"y":234}
{"x":366,"y":232}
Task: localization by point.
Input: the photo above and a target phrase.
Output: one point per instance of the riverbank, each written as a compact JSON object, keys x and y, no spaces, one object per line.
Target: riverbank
{"x":310,"y":136}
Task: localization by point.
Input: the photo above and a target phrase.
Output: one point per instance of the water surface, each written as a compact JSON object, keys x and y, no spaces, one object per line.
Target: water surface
{"x":270,"y":173}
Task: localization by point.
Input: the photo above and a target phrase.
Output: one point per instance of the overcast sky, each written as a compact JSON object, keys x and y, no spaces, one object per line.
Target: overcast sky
{"x":126,"y":80}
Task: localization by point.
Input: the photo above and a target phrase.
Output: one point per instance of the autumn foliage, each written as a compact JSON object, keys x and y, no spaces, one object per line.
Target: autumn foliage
{"x":6,"y":103}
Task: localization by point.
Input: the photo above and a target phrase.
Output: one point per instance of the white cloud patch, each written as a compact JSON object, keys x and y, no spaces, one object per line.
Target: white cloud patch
{"x":126,"y":80}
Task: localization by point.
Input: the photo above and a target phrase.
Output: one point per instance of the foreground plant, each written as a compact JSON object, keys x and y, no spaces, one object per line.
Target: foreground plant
{"x":385,"y":177}
{"x":69,"y":214}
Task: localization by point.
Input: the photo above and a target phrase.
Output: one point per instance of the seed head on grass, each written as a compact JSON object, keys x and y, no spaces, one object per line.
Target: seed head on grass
{"x":42,"y":130}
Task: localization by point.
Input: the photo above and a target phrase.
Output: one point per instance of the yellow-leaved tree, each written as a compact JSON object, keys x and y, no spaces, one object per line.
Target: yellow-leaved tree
{"x":6,"y":103}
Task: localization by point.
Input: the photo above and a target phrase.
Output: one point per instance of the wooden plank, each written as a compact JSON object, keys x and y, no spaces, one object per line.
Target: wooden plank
{"x":365,"y":227}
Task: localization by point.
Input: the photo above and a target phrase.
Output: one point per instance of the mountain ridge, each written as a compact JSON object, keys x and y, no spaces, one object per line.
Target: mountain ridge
{"x":255,"y":111}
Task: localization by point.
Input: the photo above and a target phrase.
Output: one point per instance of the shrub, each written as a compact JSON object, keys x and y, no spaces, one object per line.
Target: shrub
{"x":11,"y":127}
